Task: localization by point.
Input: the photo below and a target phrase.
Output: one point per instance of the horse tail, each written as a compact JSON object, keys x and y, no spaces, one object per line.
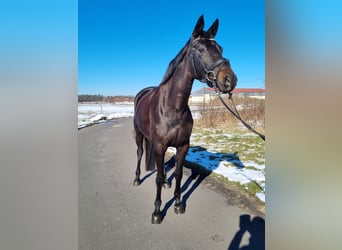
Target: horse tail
{"x":150,"y":162}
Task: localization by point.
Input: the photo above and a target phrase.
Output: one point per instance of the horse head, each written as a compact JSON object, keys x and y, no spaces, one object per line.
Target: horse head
{"x":208,"y":64}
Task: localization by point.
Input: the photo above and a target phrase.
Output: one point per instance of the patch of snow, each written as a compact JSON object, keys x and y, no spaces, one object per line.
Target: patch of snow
{"x":261,"y":196}
{"x":96,"y":118}
{"x":91,"y":113}
{"x":254,"y":165}
{"x":228,"y":165}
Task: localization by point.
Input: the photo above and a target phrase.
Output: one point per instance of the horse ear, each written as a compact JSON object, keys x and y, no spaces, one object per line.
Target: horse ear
{"x":199,"y":26}
{"x":213,"y":29}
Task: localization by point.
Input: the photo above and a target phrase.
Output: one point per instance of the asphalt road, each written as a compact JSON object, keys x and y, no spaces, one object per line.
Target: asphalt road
{"x":114,"y":214}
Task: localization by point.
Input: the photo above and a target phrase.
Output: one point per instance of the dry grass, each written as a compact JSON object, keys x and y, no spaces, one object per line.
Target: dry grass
{"x":214,"y":115}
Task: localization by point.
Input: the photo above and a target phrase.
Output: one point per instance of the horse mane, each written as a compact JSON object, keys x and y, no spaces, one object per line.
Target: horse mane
{"x":174,"y":63}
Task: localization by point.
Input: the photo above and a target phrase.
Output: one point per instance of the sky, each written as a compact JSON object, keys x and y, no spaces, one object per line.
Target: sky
{"x":124,"y":46}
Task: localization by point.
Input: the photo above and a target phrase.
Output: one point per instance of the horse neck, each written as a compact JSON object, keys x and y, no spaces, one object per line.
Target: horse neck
{"x":179,"y":86}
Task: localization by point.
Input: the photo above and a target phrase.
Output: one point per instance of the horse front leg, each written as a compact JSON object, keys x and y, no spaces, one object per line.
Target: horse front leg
{"x":180,"y":157}
{"x":160,"y":180}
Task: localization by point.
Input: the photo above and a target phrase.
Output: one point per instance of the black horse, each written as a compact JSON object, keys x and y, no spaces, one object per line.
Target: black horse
{"x":162,"y":116}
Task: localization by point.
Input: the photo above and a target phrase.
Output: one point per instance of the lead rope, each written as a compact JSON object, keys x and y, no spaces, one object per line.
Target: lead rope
{"x":237,"y":115}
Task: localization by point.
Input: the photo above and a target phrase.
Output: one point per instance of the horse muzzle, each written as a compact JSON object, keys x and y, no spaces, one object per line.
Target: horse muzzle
{"x":226,"y":81}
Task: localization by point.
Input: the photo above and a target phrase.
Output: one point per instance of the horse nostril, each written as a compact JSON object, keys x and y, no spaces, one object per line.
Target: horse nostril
{"x":227,"y":81}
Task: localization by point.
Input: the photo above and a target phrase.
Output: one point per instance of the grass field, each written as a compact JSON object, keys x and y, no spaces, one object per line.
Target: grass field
{"x":226,"y":143}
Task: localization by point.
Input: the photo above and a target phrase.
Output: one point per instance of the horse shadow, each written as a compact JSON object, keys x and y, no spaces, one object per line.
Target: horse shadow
{"x":198,"y":172}
{"x":256,"y":229}
{"x":167,"y":165}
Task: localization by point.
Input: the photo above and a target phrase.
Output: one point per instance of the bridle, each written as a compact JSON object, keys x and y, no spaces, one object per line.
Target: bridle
{"x":210,"y":76}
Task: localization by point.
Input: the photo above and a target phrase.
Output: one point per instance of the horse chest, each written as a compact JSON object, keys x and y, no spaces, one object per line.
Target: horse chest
{"x":177,"y":132}
{"x":177,"y":136}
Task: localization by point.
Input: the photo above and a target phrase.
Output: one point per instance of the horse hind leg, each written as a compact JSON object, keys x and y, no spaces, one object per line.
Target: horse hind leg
{"x":160,"y":179}
{"x":139,"y":138}
{"x":151,"y":161}
{"x":166,"y":183}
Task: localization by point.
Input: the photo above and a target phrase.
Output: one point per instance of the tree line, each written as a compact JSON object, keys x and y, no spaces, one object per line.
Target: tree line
{"x":101,"y":98}
{"x":90,"y":98}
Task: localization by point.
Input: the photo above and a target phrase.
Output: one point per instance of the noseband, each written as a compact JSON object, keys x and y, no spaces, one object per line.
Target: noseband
{"x":210,"y":76}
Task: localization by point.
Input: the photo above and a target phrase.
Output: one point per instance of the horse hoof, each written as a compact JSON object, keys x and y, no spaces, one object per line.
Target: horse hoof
{"x":156,"y":218}
{"x":179,"y":209}
{"x":136,"y":182}
{"x":166,"y":184}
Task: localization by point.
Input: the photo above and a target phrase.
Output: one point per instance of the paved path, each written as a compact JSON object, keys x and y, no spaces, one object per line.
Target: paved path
{"x":113,"y":214}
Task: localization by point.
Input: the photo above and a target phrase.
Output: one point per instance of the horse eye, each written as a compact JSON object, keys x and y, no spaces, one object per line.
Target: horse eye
{"x":201,"y":50}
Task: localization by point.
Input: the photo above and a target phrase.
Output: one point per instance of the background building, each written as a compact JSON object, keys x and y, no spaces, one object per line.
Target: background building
{"x":207,"y":94}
